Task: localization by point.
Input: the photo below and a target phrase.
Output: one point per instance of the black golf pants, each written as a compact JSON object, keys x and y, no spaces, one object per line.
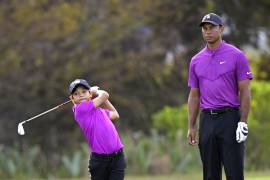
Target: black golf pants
{"x":218,"y":146}
{"x":107,"y":167}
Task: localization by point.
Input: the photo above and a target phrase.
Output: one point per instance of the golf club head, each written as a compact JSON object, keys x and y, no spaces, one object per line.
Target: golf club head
{"x":20,"y":129}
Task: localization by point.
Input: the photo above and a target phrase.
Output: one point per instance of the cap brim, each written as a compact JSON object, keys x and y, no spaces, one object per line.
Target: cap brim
{"x":210,"y":22}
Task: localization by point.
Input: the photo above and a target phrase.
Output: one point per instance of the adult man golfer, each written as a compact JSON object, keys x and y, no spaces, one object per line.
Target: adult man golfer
{"x":219,"y":78}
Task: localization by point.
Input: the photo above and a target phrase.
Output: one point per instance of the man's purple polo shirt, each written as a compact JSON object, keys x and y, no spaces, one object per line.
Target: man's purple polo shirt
{"x":216,"y":73}
{"x":97,"y":127}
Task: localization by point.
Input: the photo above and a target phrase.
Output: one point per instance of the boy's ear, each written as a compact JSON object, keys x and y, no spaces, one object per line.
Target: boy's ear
{"x":71,"y":97}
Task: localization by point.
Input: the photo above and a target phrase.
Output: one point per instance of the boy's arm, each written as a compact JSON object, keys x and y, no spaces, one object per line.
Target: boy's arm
{"x":105,"y":104}
{"x":102,"y":96}
{"x":113,"y":112}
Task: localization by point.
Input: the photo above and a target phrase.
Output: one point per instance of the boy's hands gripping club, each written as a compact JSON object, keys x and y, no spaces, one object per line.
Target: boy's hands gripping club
{"x":95,"y":91}
{"x":241,"y":132}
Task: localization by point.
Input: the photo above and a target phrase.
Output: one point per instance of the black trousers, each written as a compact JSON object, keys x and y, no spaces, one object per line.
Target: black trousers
{"x":218,"y":146}
{"x":103,"y":167}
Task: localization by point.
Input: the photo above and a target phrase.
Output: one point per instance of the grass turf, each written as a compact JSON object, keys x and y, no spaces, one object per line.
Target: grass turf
{"x":198,"y":176}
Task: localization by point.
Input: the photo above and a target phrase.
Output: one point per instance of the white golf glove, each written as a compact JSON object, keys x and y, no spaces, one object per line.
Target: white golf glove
{"x":94,"y":88}
{"x":241,"y":132}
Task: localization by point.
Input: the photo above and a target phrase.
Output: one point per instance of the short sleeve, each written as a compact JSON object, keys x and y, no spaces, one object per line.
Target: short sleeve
{"x":243,"y":71}
{"x":81,"y":110}
{"x":192,"y":77}
{"x":107,"y":112}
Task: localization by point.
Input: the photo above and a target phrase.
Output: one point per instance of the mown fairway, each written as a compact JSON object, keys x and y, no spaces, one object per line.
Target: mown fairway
{"x":198,"y":176}
{"x":190,"y":176}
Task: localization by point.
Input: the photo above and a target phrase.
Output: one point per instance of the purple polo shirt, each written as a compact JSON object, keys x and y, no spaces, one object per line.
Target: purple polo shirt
{"x":97,"y":127}
{"x":216,"y":73}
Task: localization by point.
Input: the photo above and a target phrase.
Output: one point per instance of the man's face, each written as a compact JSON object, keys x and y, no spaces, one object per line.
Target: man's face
{"x":211,"y":33}
{"x":81,"y":94}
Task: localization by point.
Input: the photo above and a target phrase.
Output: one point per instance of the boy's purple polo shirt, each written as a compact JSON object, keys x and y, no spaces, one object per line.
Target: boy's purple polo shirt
{"x":216,"y":73}
{"x":97,"y":127}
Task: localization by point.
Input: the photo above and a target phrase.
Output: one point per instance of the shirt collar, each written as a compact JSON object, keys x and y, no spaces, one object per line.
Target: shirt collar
{"x":214,"y":51}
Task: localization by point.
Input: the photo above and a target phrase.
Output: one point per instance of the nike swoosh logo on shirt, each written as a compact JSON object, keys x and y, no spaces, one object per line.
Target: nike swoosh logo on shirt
{"x":248,"y":73}
{"x":222,"y":62}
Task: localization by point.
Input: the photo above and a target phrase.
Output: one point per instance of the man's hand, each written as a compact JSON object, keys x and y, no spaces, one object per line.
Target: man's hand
{"x":241,"y":132}
{"x":192,"y":136}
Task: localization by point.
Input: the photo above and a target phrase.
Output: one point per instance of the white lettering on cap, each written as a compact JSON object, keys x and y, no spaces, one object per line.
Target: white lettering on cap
{"x":206,"y":17}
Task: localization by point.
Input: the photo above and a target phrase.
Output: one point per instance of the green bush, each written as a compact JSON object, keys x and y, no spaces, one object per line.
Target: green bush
{"x":157,"y":154}
{"x":145,"y":154}
{"x":258,"y":144}
{"x":15,"y":163}
{"x":169,"y":120}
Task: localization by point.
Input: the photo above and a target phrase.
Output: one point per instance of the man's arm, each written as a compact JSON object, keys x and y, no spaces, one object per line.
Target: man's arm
{"x":113,"y":112}
{"x":193,"y":111}
{"x":193,"y":107}
{"x":245,"y":96}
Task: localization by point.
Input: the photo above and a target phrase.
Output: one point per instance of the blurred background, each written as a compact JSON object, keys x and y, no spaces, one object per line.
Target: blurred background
{"x":139,"y":51}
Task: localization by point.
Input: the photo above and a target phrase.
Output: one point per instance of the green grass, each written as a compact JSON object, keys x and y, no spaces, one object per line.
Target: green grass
{"x":190,"y":176}
{"x":198,"y":176}
{"x":187,"y":177}
{"x":165,"y":177}
{"x":181,"y":177}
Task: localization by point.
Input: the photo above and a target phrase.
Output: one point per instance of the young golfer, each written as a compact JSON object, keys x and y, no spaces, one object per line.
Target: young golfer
{"x":94,"y":114}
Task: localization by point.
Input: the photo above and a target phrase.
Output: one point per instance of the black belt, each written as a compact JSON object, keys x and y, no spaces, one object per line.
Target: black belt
{"x":111,"y":155}
{"x":219,"y":110}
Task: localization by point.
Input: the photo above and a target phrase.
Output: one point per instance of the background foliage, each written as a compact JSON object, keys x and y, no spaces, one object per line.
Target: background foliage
{"x":137,"y":50}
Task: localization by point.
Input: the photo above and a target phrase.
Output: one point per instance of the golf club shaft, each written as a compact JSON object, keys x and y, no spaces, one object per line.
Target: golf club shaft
{"x":46,"y":111}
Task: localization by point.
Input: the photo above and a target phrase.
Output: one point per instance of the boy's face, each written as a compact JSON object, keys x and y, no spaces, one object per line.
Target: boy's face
{"x":81,"y":94}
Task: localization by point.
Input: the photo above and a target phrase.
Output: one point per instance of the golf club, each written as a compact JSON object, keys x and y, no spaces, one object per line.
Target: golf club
{"x":20,"y":125}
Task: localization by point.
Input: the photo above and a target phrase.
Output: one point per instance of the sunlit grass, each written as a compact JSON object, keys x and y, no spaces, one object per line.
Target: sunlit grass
{"x":189,"y":176}
{"x":198,"y":176}
{"x":192,"y":176}
{"x":164,"y":177}
{"x":182,"y":177}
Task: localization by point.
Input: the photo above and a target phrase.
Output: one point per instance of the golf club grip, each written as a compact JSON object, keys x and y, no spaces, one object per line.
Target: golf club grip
{"x":47,"y":111}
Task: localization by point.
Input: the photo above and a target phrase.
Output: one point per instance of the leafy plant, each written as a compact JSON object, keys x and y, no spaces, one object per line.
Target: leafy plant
{"x":258,"y":144}
{"x":170,"y":119}
{"x":73,"y":163}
